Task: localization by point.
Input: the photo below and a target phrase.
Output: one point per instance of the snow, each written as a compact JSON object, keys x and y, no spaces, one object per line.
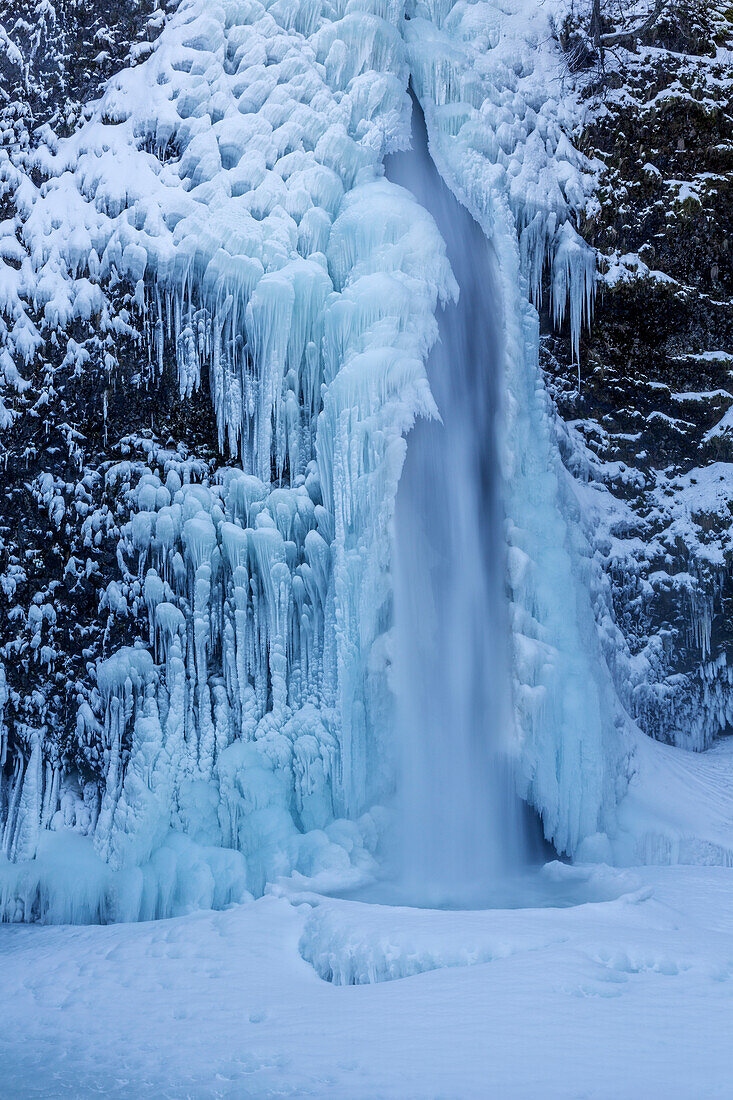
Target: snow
{"x":705,"y":395}
{"x":679,"y":807}
{"x":629,"y":266}
{"x":723,"y":427}
{"x":706,"y":357}
{"x":623,"y":997}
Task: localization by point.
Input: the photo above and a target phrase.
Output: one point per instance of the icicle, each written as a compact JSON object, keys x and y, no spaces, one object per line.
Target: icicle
{"x":573,"y":279}
{"x":13,"y":800}
{"x":3,"y":725}
{"x":28,"y":817}
{"x":153,"y":592}
{"x":169,"y":623}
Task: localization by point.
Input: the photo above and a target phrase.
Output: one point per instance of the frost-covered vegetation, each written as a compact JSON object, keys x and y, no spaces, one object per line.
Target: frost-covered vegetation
{"x":650,"y":427}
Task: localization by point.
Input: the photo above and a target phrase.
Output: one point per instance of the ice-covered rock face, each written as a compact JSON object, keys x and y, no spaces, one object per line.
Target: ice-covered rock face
{"x":494,"y":89}
{"x":235,"y":180}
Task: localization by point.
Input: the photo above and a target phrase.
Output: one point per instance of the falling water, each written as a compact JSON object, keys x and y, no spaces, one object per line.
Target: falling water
{"x":460,"y":822}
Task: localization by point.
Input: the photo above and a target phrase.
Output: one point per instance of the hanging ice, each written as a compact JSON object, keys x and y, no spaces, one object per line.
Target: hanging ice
{"x":235,"y":180}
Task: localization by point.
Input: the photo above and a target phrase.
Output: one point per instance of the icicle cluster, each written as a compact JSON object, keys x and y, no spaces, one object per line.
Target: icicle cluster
{"x":235,"y":180}
{"x":498,"y":93}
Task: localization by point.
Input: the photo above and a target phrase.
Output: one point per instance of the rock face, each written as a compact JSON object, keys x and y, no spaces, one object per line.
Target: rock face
{"x":652,"y":425}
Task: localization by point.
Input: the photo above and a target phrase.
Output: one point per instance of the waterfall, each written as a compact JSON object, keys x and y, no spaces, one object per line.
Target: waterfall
{"x":460,"y":829}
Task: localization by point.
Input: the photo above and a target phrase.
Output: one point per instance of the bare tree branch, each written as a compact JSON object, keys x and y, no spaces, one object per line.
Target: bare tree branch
{"x":623,"y":38}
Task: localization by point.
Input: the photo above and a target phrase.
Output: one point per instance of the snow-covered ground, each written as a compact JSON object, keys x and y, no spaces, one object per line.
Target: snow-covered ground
{"x":624,"y":998}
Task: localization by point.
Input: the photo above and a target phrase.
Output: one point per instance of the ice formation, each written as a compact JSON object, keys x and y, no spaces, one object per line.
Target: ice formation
{"x":518,"y":186}
{"x":235,"y":179}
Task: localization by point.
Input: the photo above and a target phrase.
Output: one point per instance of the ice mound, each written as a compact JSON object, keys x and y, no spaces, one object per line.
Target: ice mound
{"x":354,"y":943}
{"x":68,"y":883}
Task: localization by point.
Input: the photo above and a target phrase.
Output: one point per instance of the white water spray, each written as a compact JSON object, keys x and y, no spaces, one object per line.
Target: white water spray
{"x":461,"y":830}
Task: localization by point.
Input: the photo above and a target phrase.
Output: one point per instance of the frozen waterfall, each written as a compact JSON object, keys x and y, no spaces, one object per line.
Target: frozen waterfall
{"x":236,"y":722}
{"x":459,"y":821}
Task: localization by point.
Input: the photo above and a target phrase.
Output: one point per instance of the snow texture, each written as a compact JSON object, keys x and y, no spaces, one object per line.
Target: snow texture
{"x":622,"y":998}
